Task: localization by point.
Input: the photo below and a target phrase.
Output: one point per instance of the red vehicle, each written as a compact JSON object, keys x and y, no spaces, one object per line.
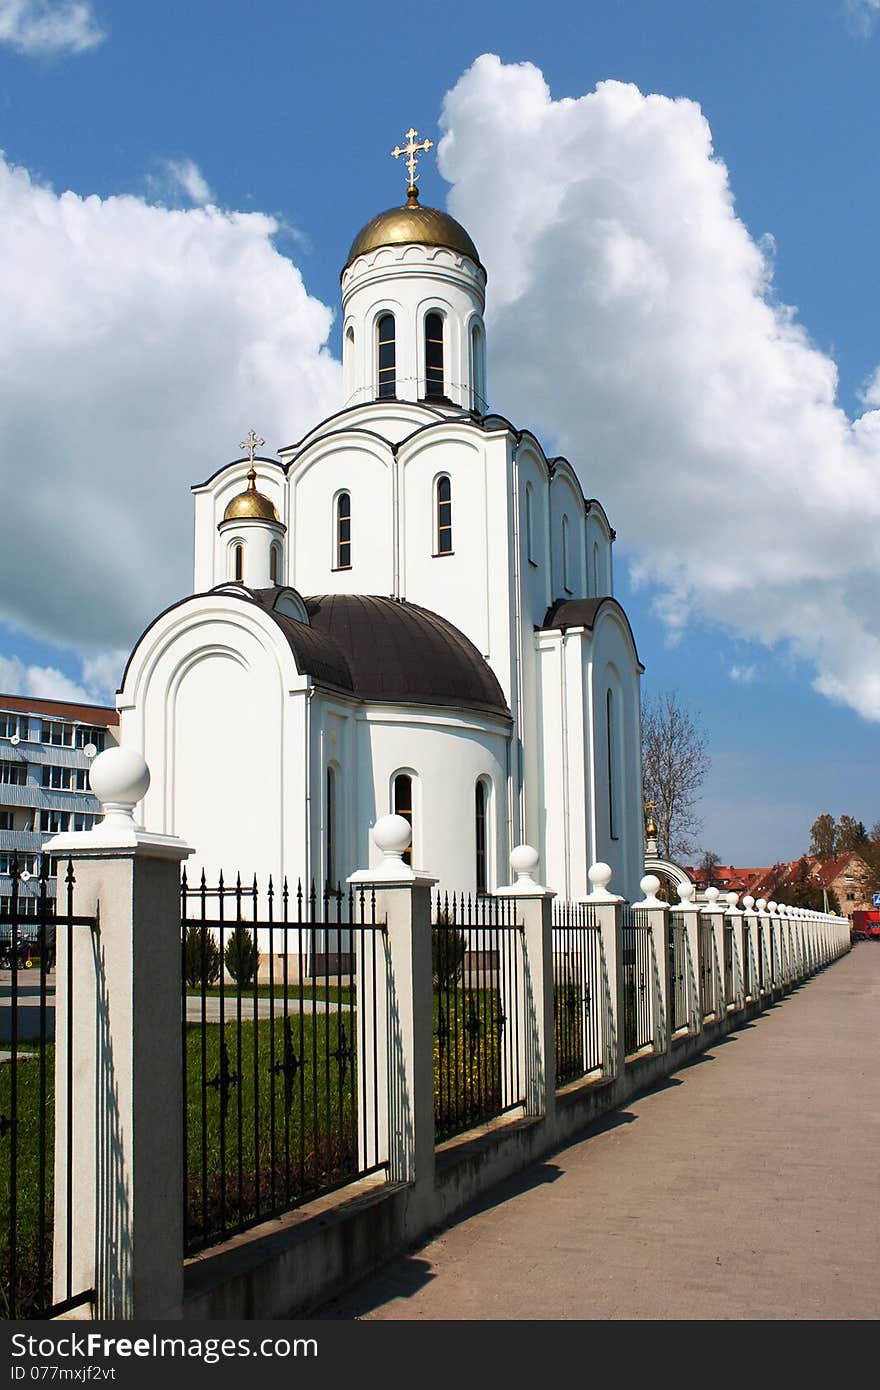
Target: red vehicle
{"x":866,"y":926}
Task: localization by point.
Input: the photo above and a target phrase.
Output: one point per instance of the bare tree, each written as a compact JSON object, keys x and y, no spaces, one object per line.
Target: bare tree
{"x":674,"y":764}
{"x":706,"y":868}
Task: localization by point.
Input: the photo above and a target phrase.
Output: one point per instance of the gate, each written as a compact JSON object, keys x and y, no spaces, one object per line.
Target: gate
{"x":29,"y":1115}
{"x":678,"y":964}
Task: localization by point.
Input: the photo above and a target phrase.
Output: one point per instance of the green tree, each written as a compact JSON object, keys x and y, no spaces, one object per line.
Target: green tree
{"x":201,"y":956}
{"x":241,"y":956}
{"x":823,"y":836}
{"x":851,"y":835}
{"x":448,"y":947}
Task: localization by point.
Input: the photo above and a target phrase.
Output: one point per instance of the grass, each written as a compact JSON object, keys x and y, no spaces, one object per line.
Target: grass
{"x":273,"y":1136}
{"x":23,"y":1143}
{"x":334,"y":994}
{"x":467,"y":1059}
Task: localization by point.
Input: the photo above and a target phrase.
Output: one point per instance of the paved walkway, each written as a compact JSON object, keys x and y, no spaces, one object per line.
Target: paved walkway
{"x":745,"y":1187}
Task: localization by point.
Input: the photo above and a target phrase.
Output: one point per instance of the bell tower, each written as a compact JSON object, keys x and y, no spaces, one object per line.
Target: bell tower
{"x":413,"y":297}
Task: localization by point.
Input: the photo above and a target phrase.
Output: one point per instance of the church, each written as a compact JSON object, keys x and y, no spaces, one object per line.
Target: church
{"x":410,"y":609}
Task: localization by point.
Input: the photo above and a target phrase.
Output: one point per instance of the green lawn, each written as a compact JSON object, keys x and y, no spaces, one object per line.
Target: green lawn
{"x":21,"y":1145}
{"x":282,"y":1128}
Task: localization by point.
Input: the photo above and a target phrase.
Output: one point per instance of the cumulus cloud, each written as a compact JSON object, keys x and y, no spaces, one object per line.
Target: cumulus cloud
{"x":48,"y":28}
{"x":743,"y":675}
{"x":659,"y":360}
{"x":138,"y":344}
{"x":863,"y":16}
{"x":183,"y":176}
{"x":40,"y":682}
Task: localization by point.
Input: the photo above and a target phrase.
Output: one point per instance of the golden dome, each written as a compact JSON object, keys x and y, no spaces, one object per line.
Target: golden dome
{"x":413,"y":224}
{"x":251,"y":505}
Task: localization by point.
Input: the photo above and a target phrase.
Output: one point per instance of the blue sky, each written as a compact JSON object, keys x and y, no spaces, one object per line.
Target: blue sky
{"x":290,"y":111}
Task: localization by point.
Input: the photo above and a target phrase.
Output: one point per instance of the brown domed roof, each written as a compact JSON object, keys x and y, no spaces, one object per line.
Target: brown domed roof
{"x":383,"y":650}
{"x":413,"y":224}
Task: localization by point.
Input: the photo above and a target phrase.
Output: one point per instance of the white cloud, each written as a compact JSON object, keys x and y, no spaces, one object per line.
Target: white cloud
{"x":43,"y":28}
{"x":138,"y":345}
{"x":691,"y":402}
{"x":40,"y":682}
{"x":743,"y":675}
{"x":184,"y":176}
{"x":863,"y":16}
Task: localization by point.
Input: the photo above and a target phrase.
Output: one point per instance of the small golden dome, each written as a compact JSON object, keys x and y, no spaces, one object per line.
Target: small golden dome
{"x":251,"y":505}
{"x":412,"y":224}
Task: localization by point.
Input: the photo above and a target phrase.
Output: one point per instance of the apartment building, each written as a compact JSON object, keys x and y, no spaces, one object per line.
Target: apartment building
{"x":46,"y":747}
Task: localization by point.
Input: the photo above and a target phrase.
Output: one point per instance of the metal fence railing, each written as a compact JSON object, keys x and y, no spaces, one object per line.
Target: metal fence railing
{"x":638,"y":981}
{"x":283,"y":1011}
{"x":706,"y":946}
{"x":578,"y":992}
{"x":478,"y":1002}
{"x":30,"y":1110}
{"x":728,"y":962}
{"x":678,"y":971}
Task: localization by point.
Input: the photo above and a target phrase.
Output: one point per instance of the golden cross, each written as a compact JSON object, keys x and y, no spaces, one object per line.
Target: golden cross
{"x":411,"y":149}
{"x":252,"y":444}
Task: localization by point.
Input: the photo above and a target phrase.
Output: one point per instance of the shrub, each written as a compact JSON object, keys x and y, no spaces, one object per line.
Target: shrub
{"x":201,"y":956}
{"x":448,"y":948}
{"x":241,"y":956}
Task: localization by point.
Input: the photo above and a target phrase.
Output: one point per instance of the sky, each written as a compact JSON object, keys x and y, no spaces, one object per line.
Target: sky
{"x":677,"y":204}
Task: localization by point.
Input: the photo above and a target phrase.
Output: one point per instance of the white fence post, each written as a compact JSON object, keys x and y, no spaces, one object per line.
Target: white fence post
{"x":714,"y":912}
{"x":534,"y":905}
{"x":405,"y":1089}
{"x":126,"y":1068}
{"x":609,"y":919}
{"x":657,"y":918}
{"x":751,"y":941}
{"x":732,"y":924}
{"x":690,"y":911}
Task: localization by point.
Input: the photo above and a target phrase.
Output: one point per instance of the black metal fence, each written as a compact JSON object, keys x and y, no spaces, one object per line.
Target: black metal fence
{"x":578,"y":992}
{"x":284,"y":1039}
{"x":728,"y":961}
{"x":29,"y":1112}
{"x":638,"y":980}
{"x":679,"y":988}
{"x":706,"y":949}
{"x":477,"y":953}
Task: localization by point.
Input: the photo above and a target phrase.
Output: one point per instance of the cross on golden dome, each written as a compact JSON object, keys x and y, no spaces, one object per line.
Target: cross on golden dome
{"x":411,"y":149}
{"x":252,"y":444}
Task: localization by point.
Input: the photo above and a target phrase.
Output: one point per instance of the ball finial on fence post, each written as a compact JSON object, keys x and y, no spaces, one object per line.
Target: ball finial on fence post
{"x":120,"y":778}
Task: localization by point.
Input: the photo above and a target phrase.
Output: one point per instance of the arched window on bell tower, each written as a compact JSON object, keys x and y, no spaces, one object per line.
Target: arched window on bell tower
{"x":343,"y":531}
{"x":238,"y":562}
{"x":434,"y":383}
{"x":478,"y":369}
{"x":387,"y":357}
{"x":443,"y":511}
{"x":275,"y":563}
{"x":403,"y":806}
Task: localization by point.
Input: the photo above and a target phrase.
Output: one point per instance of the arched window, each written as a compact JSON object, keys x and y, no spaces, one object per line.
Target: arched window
{"x":611,"y":735}
{"x":434,"y":355}
{"x":444,"y":516}
{"x":330,"y":829}
{"x":566,"y":576}
{"x":480,"y":835}
{"x":275,"y":564}
{"x":403,"y":806}
{"x":596,"y":569}
{"x":343,"y":531}
{"x":478,"y":371}
{"x":530,"y":524}
{"x":238,"y":563}
{"x":387,"y":356}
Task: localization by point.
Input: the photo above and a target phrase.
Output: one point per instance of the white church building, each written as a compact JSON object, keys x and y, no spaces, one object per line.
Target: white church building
{"x":410,"y":609}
